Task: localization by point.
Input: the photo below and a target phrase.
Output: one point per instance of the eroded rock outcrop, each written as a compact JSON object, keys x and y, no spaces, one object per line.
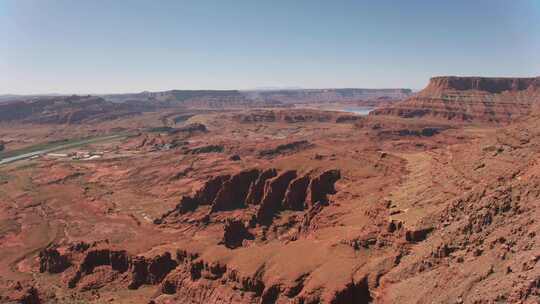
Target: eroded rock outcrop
{"x":52,"y":261}
{"x":206,"y":149}
{"x":118,"y":260}
{"x":235,"y":232}
{"x":190,"y":129}
{"x":323,"y":185}
{"x":274,"y":193}
{"x":207,"y":194}
{"x":288,"y":148}
{"x":256,"y":191}
{"x":209,"y":281}
{"x":22,"y":294}
{"x":295,"y":196}
{"x":204,"y":196}
{"x":354,"y":293}
{"x":150,"y":271}
{"x":92,"y":266}
{"x":268,"y":192}
{"x":234,"y":191}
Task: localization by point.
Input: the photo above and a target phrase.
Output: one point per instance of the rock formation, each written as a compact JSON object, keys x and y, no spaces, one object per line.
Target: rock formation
{"x":470,"y":99}
{"x":295,"y":196}
{"x":51,"y":261}
{"x":205,"y":149}
{"x":23,"y":294}
{"x":234,"y":191}
{"x":235,"y":232}
{"x":323,"y":185}
{"x":268,"y":191}
{"x":150,"y":271}
{"x":256,"y":190}
{"x":83,"y":261}
{"x":287,"y":148}
{"x":117,"y":260}
{"x":274,"y":193}
{"x":190,"y":129}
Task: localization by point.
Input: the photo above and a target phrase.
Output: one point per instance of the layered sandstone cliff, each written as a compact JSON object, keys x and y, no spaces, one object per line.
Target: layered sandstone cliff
{"x":470,"y":99}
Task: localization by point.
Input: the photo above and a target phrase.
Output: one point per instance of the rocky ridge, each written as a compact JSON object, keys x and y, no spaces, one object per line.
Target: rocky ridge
{"x":266,"y":192}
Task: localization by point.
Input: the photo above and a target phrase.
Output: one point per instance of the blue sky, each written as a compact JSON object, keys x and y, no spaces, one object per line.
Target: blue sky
{"x":130,"y":46}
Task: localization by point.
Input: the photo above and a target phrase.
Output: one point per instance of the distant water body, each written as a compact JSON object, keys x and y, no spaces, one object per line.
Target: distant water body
{"x":362,"y":111}
{"x":359,"y":110}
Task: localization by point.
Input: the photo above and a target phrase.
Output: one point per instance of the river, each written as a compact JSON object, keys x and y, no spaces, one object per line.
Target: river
{"x":358,"y":110}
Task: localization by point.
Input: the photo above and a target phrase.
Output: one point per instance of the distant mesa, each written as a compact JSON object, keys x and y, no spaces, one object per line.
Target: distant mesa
{"x":469,"y":99}
{"x":65,"y":110}
{"x":486,"y":84}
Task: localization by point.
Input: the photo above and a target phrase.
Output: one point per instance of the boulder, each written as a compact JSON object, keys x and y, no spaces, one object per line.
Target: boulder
{"x":414,"y":235}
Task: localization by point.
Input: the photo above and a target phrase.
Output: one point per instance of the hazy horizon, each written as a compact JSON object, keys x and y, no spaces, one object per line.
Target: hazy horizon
{"x":102,"y":47}
{"x":199,"y":89}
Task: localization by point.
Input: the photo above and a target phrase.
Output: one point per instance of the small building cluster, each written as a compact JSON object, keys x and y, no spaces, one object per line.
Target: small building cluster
{"x":77,"y":155}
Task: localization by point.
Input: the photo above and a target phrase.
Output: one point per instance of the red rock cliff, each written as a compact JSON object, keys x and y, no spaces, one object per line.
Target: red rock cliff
{"x":487,"y":84}
{"x":470,"y":99}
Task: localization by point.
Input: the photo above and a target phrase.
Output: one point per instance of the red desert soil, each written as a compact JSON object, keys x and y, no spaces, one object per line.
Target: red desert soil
{"x":288,"y":206}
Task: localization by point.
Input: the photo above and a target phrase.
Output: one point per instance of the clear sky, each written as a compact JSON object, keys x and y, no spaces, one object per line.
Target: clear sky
{"x":103,"y":46}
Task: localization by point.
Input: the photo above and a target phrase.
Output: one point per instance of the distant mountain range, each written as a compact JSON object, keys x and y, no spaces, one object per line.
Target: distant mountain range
{"x":262,"y":95}
{"x":326,"y":95}
{"x":76,"y":109}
